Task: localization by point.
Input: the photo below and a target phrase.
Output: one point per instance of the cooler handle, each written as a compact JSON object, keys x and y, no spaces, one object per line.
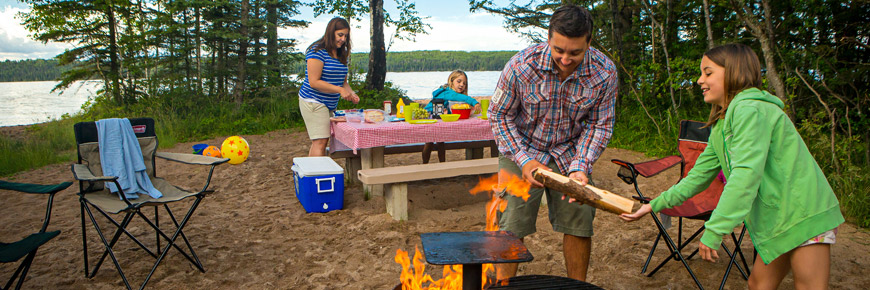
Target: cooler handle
{"x":331,"y":184}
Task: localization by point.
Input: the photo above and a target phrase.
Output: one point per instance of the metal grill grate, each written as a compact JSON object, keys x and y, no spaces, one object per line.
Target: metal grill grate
{"x":544,"y":282}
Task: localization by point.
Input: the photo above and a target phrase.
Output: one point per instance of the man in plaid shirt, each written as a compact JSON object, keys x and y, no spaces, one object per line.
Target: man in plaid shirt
{"x":553,"y":109}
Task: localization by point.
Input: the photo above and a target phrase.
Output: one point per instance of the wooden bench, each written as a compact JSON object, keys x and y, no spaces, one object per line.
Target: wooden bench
{"x":473,"y":150}
{"x":395,"y":179}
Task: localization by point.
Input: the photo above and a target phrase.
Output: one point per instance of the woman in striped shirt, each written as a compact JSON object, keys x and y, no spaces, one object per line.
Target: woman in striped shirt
{"x":325,"y":82}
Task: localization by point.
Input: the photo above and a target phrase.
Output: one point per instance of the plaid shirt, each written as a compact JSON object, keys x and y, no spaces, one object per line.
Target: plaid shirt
{"x":535,"y":116}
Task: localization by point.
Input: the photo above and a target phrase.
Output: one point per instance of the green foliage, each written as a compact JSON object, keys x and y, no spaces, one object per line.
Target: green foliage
{"x":430,"y":60}
{"x":848,"y":177}
{"x":30,"y":70}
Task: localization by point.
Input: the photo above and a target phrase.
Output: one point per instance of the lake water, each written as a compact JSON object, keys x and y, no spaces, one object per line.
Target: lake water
{"x":33,"y":102}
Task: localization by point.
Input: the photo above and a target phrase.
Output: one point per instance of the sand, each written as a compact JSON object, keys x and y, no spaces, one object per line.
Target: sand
{"x":253,"y":233}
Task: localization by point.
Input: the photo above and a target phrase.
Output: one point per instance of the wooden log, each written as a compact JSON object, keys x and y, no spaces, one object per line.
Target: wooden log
{"x":596,"y":197}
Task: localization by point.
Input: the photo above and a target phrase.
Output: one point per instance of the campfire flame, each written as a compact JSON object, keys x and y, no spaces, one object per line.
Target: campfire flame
{"x":413,"y":275}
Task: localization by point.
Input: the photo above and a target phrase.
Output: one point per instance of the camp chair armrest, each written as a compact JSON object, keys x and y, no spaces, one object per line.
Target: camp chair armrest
{"x":192,"y":158}
{"x":34,"y":188}
{"x":82,"y":173}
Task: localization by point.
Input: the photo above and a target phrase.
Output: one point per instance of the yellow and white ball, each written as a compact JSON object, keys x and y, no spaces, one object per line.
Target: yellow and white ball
{"x":236,"y":149}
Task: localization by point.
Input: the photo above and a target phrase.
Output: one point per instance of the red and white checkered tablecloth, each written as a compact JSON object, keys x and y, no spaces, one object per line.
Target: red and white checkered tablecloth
{"x":357,"y":136}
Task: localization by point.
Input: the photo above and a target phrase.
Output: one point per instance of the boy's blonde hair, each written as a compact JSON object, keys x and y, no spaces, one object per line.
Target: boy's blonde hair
{"x":453,"y":75}
{"x":742,"y":71}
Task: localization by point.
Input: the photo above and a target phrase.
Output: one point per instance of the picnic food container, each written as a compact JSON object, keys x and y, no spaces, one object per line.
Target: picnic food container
{"x":461,"y":108}
{"x":319,"y":183}
{"x":463,"y":113}
{"x":354,"y":116}
{"x":374,"y":116}
{"x":449,"y":117}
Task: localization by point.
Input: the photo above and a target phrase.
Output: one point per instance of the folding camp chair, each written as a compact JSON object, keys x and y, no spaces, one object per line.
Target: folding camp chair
{"x":14,"y":251}
{"x":692,"y":141}
{"x":94,"y":195}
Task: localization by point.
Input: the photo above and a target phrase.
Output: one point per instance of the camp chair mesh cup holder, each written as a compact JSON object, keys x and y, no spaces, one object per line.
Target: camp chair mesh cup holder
{"x":693,"y":139}
{"x":26,"y":248}
{"x":94,"y":195}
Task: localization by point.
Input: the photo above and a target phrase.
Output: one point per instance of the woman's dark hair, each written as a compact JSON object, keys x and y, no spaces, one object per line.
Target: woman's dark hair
{"x":571,"y":21}
{"x":327,"y":42}
{"x":742,"y":71}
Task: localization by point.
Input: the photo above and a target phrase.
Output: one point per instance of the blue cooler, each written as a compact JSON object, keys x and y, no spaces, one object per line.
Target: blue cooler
{"x":319,"y":183}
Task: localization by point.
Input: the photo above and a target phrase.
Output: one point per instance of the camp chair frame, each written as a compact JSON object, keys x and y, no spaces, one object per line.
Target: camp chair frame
{"x":689,"y":131}
{"x":28,"y":246}
{"x":92,"y":196}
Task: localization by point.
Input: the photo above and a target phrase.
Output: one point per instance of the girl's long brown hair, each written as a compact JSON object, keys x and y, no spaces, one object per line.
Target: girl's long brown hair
{"x":327,"y":42}
{"x":453,"y":75}
{"x":742,"y":71}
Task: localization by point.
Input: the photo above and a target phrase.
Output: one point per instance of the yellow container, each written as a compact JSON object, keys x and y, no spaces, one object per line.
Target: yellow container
{"x":400,"y":109}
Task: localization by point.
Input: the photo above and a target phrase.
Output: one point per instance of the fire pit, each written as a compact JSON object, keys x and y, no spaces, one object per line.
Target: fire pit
{"x":540,"y":282}
{"x":472,"y":250}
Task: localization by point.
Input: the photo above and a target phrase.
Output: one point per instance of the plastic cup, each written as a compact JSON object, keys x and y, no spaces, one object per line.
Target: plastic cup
{"x":484,"y":106}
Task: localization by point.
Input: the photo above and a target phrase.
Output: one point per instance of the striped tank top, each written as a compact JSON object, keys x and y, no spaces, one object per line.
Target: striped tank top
{"x":334,"y":72}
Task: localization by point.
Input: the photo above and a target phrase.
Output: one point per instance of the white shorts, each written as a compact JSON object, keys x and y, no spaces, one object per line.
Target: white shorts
{"x":316,"y":117}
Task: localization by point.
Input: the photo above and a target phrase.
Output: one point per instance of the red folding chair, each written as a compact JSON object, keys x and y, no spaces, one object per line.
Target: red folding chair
{"x":692,"y":141}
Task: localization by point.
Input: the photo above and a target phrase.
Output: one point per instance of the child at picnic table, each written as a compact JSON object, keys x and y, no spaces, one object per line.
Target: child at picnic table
{"x":775,"y":187}
{"x":455,"y":90}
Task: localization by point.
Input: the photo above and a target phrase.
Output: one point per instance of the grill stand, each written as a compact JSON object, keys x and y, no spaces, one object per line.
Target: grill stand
{"x":472,"y":250}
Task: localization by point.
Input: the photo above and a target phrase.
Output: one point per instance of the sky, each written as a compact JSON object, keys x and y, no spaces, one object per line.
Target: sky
{"x":453,"y":28}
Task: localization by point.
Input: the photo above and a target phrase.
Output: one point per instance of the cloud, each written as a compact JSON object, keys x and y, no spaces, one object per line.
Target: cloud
{"x":15,"y":44}
{"x":475,"y":33}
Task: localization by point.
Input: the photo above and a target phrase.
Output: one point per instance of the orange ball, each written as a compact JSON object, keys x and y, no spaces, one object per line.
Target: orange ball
{"x":212,"y":151}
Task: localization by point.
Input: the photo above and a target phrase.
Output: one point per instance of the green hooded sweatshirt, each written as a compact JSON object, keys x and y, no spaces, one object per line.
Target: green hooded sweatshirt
{"x":774,"y":184}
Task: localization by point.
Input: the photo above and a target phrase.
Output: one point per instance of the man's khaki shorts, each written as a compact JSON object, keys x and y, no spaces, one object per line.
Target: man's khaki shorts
{"x":316,"y":117}
{"x":519,"y":217}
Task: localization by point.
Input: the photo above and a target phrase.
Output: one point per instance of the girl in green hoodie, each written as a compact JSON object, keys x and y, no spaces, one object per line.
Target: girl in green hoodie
{"x":775,"y":187}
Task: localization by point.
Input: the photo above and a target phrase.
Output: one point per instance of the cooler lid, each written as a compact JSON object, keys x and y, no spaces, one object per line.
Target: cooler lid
{"x":314,"y":166}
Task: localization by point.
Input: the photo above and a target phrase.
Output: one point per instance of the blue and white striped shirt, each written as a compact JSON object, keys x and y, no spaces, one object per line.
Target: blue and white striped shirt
{"x":334,"y":72}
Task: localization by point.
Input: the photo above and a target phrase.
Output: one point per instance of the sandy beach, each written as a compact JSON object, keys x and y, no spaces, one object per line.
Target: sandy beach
{"x":254,"y":234}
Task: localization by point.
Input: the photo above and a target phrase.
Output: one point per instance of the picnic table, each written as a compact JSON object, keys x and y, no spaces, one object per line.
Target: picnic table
{"x":369,"y":140}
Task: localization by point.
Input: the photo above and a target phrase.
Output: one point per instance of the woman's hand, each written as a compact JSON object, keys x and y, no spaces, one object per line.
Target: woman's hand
{"x":707,"y":253}
{"x":642,"y":211}
{"x":350,"y":95}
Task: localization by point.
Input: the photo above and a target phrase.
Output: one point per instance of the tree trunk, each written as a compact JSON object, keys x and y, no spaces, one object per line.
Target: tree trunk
{"x":765,"y":38}
{"x":617,"y":33}
{"x":272,"y":43}
{"x":198,"y":51}
{"x":378,"y":55}
{"x":709,"y":28}
{"x":114,"y":61}
{"x":256,"y":35}
{"x":665,"y":31}
{"x":239,"y":89}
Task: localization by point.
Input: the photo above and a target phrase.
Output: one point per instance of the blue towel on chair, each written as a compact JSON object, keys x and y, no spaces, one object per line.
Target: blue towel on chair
{"x":121,"y":156}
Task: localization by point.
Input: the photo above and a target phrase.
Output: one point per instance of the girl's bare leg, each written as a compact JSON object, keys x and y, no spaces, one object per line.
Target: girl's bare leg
{"x":811,"y":266}
{"x":768,"y":277}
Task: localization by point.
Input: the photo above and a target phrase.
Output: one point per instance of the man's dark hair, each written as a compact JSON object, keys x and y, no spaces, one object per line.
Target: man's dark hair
{"x":571,"y":21}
